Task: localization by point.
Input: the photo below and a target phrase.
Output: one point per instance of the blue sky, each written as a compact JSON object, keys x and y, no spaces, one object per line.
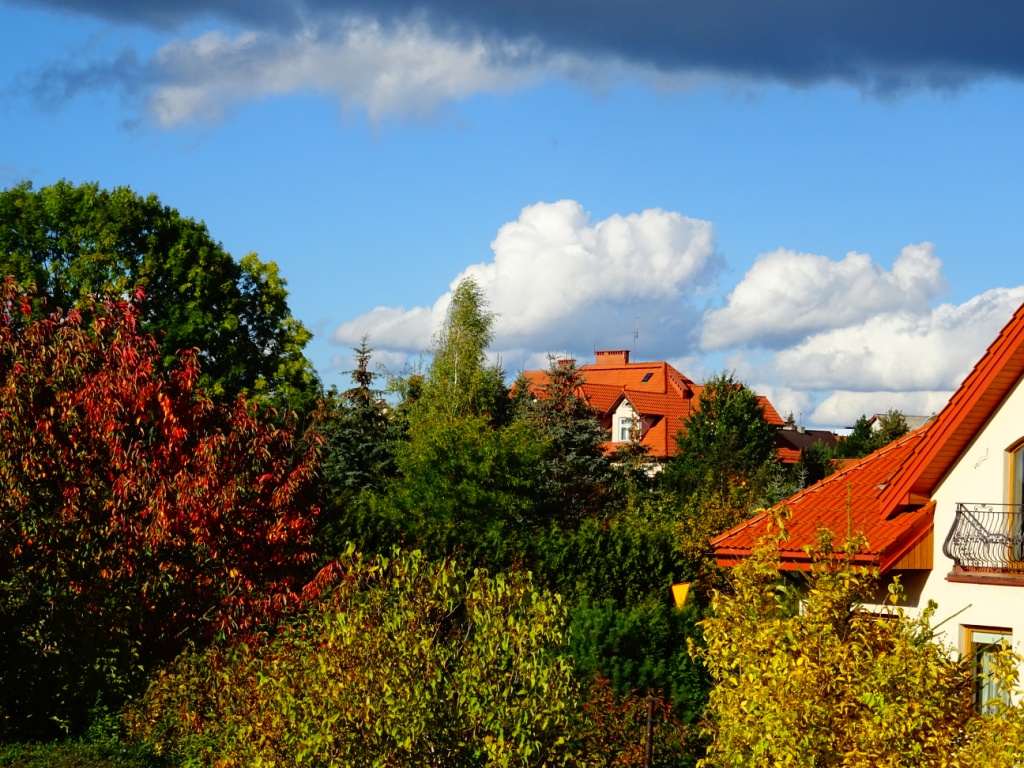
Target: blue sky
{"x":706,"y":168}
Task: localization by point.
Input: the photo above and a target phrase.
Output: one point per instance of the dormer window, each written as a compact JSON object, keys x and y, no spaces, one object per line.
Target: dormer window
{"x":625,"y":429}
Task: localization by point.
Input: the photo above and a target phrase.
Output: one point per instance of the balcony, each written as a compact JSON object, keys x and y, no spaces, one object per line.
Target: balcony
{"x":987,"y":540}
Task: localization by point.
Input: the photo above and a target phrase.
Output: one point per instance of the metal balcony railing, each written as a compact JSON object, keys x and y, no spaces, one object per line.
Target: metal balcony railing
{"x":987,"y":537}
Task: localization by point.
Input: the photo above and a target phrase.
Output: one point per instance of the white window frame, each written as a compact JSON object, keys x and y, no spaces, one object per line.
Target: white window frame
{"x":625,"y":429}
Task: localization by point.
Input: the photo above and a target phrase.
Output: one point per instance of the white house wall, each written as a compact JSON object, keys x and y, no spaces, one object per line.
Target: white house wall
{"x":625,"y":410}
{"x":979,"y":476}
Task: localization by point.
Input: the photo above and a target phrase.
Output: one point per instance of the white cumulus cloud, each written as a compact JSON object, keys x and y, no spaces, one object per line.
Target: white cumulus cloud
{"x":842,"y":408}
{"x":901,"y":360}
{"x":786,"y":296}
{"x":559,"y":281}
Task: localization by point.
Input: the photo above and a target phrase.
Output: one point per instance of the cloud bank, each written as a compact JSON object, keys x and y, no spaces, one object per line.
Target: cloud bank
{"x":907,"y":359}
{"x":786,"y":295}
{"x":828,"y":339}
{"x":402,"y":70}
{"x":559,"y":281}
{"x":412,"y":56}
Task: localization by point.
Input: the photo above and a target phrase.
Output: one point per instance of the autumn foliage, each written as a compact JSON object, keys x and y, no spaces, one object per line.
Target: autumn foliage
{"x":400,"y":661}
{"x":807,"y":676}
{"x":135,"y":515}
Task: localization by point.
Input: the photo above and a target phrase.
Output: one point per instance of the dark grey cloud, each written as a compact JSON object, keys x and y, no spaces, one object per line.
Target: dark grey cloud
{"x":881,"y":45}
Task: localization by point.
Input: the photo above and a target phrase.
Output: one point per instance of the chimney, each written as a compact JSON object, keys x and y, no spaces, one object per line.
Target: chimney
{"x":612,"y":357}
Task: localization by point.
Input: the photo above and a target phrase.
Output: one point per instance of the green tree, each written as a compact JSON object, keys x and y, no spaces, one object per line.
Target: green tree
{"x":817,"y":461}
{"x":805,"y":676}
{"x":400,"y":663}
{"x":576,"y":476}
{"x":615,"y":573}
{"x":465,"y":485}
{"x":75,"y":241}
{"x":865,"y":438}
{"x":459,"y":382}
{"x":135,"y":514}
{"x":361,"y":436}
{"x":468,"y":474}
{"x":725,"y":443}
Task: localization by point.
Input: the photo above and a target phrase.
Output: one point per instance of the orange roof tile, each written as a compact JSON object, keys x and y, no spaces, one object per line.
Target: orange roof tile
{"x":655,"y":390}
{"x":887,"y":495}
{"x":770,"y":414}
{"x":845,"y":502}
{"x":977,"y":398}
{"x":788,"y":455}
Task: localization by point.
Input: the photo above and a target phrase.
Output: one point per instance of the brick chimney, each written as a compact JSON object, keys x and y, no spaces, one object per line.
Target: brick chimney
{"x":612,"y":357}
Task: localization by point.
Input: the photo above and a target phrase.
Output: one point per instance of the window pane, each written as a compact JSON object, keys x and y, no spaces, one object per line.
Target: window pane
{"x":985,"y":644}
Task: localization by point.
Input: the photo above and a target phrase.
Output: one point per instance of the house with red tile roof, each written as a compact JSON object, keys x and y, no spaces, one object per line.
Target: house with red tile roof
{"x":941,"y":507}
{"x":654,"y":399}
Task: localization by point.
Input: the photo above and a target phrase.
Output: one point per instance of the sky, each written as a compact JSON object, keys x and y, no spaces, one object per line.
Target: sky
{"x":822,"y":197}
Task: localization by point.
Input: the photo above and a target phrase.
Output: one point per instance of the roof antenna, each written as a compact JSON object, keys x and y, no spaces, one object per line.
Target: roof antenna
{"x":636,"y":335}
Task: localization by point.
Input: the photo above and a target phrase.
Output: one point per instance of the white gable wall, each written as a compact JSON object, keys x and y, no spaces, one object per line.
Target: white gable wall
{"x":980,"y":476}
{"x":625,"y":411}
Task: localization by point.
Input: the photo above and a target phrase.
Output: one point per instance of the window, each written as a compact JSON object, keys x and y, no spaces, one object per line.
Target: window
{"x":1017,"y":475}
{"x":983,"y":643}
{"x":646,"y":378}
{"x":1015,"y":496}
{"x":625,"y":429}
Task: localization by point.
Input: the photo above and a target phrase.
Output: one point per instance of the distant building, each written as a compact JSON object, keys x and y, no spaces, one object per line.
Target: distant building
{"x":652,"y":400}
{"x":791,"y":439}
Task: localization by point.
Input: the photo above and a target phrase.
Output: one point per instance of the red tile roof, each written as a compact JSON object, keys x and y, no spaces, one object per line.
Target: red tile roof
{"x":981,"y":393}
{"x":845,"y":502}
{"x":666,"y":396}
{"x":887,"y":495}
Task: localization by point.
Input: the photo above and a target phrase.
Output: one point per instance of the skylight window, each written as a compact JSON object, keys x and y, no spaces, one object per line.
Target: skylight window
{"x":646,"y":378}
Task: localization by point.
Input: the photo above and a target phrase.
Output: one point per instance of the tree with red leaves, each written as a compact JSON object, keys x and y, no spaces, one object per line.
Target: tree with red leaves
{"x":136,"y":516}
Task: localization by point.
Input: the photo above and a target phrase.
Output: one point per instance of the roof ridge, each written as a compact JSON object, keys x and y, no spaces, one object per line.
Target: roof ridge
{"x":1008,"y":344}
{"x":860,"y":463}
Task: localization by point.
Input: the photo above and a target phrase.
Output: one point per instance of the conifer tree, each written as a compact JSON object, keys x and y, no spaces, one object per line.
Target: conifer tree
{"x":577,"y":476}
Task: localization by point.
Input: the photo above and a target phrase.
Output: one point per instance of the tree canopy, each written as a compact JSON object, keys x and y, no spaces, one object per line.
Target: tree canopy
{"x":405,"y":662}
{"x":136,"y":515}
{"x":865,"y":439}
{"x":459,"y":382}
{"x":808,"y":675}
{"x":726,"y":442}
{"x":72,"y":241}
{"x":575,"y":474}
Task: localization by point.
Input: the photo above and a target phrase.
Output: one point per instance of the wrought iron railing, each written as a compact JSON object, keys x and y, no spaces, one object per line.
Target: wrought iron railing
{"x":988,"y":537}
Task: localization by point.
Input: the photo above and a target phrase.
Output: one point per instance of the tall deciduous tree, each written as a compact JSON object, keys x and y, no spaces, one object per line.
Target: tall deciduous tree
{"x":135,"y":514}
{"x":726,"y":442}
{"x":459,"y":382}
{"x":76,"y":241}
{"x":467,"y":475}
